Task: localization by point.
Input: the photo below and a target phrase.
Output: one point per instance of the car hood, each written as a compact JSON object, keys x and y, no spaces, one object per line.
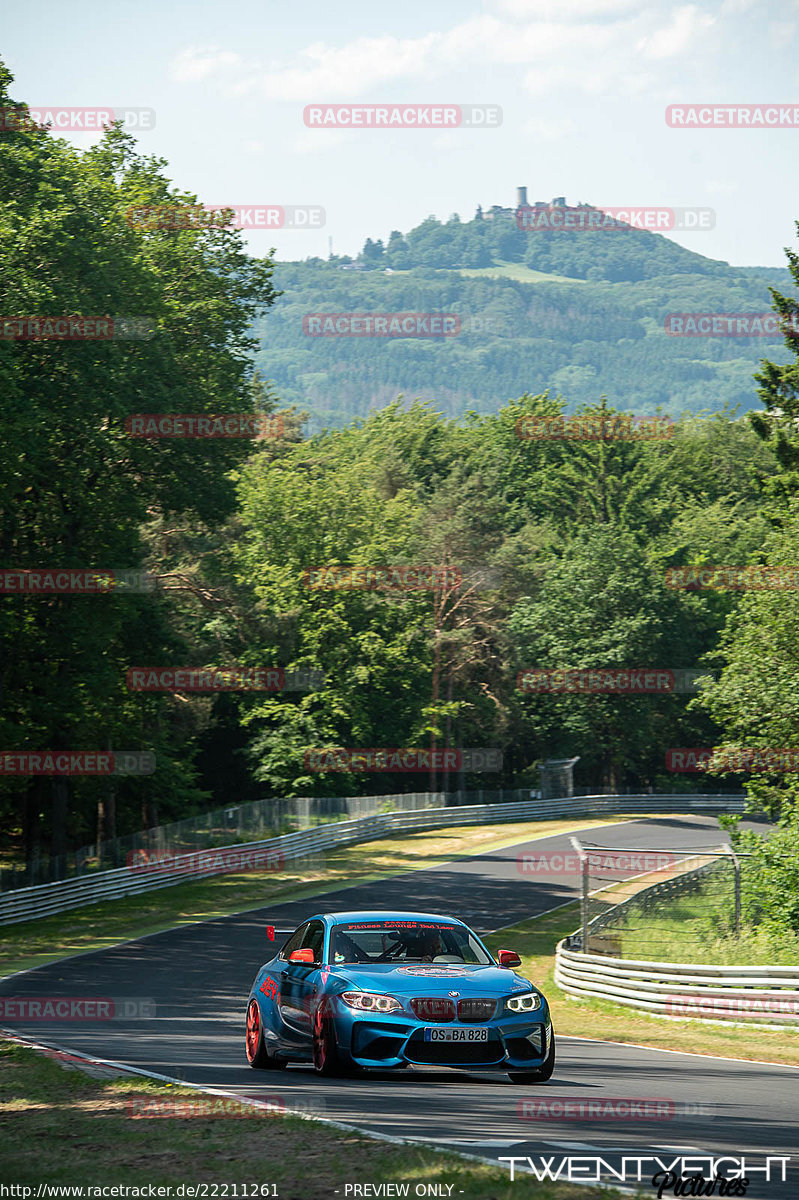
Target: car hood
{"x":431,"y":980}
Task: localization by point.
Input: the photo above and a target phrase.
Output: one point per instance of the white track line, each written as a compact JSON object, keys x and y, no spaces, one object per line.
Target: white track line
{"x":755,"y":1062}
{"x":253,"y":1103}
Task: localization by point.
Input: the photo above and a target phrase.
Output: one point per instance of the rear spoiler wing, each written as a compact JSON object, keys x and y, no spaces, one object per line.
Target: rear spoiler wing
{"x":277,"y":938}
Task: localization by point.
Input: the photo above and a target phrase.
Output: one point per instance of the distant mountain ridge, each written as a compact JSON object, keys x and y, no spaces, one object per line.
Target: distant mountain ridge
{"x":579,"y":312}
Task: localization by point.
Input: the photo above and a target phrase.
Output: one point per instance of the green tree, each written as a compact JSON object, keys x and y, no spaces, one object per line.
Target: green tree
{"x":601,"y":604}
{"x":76,"y":488}
{"x":779,"y":391}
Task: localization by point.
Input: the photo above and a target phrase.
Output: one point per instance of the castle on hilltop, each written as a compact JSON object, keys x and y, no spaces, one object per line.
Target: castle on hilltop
{"x":497,"y":210}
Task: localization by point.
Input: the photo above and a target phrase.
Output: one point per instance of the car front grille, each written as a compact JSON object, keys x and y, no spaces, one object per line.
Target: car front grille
{"x":476,"y":1010}
{"x":433,"y":1008}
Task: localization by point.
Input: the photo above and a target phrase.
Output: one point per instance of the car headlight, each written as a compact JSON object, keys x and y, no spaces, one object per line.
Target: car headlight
{"x":527,"y":1002}
{"x":371,"y":1002}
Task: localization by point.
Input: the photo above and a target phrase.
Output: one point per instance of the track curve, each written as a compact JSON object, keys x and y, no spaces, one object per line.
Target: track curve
{"x":199,"y":976}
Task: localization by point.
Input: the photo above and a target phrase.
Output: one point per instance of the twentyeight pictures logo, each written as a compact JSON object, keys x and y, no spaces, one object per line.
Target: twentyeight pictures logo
{"x":722,"y":1176}
{"x":402,"y":116}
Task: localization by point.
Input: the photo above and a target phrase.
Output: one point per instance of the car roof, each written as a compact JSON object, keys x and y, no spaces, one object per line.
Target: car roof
{"x":369,"y":914}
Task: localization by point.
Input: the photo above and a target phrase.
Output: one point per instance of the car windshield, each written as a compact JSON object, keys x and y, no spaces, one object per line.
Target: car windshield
{"x":404,"y":942}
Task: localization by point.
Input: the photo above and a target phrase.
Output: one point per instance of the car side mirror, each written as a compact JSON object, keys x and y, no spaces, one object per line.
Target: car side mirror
{"x":302,"y":956}
{"x":508,"y":958}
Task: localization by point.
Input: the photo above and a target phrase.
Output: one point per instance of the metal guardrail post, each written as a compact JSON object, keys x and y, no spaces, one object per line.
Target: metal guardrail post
{"x":736,"y":863}
{"x":583,"y":892}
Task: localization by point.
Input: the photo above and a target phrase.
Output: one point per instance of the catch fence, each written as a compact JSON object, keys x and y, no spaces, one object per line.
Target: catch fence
{"x":24,"y":904}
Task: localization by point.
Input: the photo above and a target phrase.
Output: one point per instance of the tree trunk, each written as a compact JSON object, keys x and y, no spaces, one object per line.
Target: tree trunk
{"x":59,"y":793}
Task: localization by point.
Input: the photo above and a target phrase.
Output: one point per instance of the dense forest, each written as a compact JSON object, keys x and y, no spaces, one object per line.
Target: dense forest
{"x":558,"y":550}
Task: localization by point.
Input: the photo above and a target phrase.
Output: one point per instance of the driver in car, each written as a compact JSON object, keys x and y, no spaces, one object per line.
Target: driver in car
{"x":425,"y":946}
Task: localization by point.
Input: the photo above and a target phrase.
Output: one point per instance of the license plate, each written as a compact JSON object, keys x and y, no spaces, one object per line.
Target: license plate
{"x":467,"y":1034}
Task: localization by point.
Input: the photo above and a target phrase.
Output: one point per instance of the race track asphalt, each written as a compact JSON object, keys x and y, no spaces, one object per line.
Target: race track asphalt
{"x":199,"y":976}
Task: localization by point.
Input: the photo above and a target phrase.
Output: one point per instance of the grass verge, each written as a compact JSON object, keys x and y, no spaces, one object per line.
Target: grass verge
{"x":536,"y":940}
{"x":698,"y":928}
{"x":64,"y":1127}
{"x":31,"y":943}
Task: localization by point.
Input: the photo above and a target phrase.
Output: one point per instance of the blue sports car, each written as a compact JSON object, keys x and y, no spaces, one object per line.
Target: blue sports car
{"x":383,"y":990}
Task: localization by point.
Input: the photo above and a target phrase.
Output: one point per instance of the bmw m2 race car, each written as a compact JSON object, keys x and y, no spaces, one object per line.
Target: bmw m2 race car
{"x":386,"y":990}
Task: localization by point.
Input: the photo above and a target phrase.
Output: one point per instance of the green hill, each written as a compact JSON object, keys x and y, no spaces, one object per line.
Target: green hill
{"x":580,"y":313}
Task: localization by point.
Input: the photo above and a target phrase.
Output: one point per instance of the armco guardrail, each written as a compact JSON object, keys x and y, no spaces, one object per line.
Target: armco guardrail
{"x":30,"y":903}
{"x":767,"y":995}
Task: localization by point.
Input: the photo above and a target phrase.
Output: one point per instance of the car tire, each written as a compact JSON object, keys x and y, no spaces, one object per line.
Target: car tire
{"x":542,"y":1074}
{"x":257,"y":1054}
{"x":326,"y":1057}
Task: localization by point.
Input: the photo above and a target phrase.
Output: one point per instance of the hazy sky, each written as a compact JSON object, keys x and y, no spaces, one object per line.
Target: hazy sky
{"x":583,"y":85}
